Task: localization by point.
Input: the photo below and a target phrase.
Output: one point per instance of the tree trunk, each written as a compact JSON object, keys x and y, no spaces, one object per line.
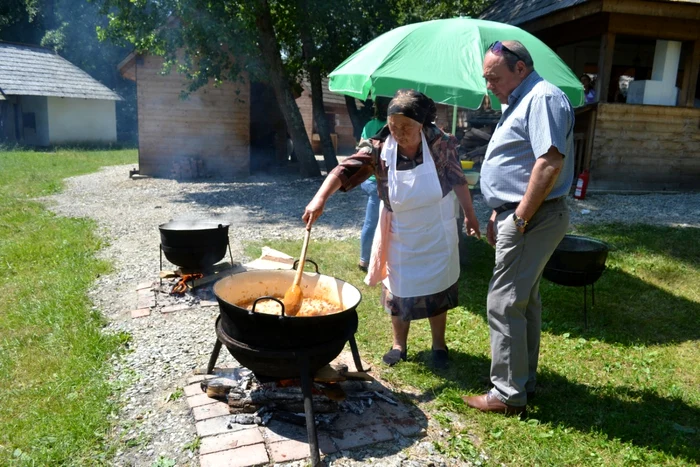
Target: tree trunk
{"x":359,"y":118}
{"x":278,"y":79}
{"x":319,"y":110}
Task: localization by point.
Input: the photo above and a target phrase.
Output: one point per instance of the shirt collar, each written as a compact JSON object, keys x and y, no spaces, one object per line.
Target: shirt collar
{"x":524,"y":87}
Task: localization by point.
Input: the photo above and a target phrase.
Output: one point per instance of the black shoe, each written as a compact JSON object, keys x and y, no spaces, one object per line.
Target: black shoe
{"x":394,"y":356}
{"x":362,"y":267}
{"x":440,"y":359}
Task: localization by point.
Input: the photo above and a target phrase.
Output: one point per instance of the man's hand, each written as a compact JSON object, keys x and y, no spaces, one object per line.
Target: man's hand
{"x":491,"y":229}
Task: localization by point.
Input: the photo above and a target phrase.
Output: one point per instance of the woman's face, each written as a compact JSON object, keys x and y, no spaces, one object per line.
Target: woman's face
{"x":405,"y":131}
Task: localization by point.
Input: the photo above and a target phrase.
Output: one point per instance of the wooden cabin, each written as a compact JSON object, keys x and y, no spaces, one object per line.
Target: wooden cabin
{"x":336,"y":114}
{"x":206,"y":134}
{"x":643,"y":132}
{"x":46,"y":100}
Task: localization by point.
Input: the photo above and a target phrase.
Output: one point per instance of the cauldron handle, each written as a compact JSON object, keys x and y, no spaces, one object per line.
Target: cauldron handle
{"x":267,"y":297}
{"x":296,"y":263}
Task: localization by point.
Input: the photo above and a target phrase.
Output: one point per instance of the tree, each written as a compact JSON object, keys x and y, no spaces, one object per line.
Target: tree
{"x":216,"y":41}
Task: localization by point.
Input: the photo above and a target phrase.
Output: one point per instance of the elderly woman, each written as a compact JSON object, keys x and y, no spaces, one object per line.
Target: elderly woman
{"x":414,"y":253}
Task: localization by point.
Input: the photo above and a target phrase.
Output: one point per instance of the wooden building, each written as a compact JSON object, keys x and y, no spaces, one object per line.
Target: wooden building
{"x":46,"y":100}
{"x":206,"y":134}
{"x":336,"y":114}
{"x":643,"y":133}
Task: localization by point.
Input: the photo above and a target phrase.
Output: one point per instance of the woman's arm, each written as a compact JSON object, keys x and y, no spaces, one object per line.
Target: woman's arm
{"x":471,"y":223}
{"x":315,"y":208}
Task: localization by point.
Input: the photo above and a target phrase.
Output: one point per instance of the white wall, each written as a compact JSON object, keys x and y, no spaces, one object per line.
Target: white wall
{"x":36,"y":105}
{"x":82,"y":120}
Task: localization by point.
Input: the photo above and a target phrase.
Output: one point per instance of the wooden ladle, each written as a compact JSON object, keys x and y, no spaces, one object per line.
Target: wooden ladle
{"x":293,"y":296}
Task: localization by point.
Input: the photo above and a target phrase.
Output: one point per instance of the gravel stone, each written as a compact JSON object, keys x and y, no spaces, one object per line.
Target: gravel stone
{"x":165,"y":349}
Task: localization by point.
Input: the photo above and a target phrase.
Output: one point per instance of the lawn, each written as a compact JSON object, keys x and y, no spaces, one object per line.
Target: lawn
{"x":624,"y":391}
{"x":54,"y":392}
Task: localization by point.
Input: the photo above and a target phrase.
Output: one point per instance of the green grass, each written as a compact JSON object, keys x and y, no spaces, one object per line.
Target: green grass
{"x":625,"y":391}
{"x":54,"y":392}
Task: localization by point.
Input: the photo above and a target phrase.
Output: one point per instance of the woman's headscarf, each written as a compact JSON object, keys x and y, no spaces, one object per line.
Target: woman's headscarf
{"x":414,"y":105}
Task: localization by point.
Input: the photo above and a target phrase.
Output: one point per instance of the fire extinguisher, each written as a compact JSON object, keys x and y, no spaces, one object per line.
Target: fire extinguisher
{"x":581,"y":185}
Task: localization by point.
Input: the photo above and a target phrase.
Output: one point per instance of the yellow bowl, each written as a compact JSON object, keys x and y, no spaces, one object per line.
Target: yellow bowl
{"x":467,"y":164}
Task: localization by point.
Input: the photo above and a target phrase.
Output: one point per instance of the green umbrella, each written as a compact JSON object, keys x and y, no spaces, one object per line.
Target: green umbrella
{"x":444,"y":60}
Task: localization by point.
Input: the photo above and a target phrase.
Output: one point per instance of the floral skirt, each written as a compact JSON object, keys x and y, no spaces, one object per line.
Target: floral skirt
{"x":426,"y":306}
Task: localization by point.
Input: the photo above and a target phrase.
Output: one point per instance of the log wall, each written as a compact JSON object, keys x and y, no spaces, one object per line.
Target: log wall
{"x":204,"y":135}
{"x":343,"y":124}
{"x":646,"y":148}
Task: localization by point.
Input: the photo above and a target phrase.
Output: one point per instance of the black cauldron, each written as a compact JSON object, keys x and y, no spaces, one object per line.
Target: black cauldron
{"x":195,"y":244}
{"x":577,"y":261}
{"x":260,"y":341}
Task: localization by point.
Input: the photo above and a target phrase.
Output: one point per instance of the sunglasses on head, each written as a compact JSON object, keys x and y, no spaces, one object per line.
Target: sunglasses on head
{"x":498,"y":48}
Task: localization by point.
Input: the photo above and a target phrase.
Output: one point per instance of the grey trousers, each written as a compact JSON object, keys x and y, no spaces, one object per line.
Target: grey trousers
{"x":514,"y":305}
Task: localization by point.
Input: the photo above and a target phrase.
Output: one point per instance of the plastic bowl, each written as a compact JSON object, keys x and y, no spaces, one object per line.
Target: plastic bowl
{"x":472,"y":177}
{"x":467,"y":164}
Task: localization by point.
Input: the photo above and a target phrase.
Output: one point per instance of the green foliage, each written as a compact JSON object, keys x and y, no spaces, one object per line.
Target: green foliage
{"x":54,"y":390}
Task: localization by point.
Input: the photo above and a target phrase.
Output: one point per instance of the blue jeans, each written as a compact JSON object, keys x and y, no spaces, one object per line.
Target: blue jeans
{"x":371,"y":220}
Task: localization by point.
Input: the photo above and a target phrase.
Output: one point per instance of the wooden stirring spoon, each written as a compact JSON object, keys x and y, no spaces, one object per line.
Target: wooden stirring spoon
{"x":293,"y":296}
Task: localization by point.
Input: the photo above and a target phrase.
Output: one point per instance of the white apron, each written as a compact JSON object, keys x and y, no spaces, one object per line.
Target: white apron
{"x":422,"y":254}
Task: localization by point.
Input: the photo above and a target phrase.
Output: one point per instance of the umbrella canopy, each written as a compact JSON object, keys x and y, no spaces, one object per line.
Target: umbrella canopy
{"x":444,"y":60}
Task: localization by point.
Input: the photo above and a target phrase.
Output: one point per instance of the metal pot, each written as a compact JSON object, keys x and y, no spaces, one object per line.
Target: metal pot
{"x":195,"y":244}
{"x":577,"y":261}
{"x":272,"y":345}
{"x":275,"y":332}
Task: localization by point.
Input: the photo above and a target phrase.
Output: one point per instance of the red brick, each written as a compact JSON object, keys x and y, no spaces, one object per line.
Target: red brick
{"x":406,"y":426}
{"x":230,"y":441}
{"x":217,"y":426}
{"x":246,"y":456}
{"x":200,"y":399}
{"x":216,"y":409}
{"x":140,"y":313}
{"x":371,"y":416}
{"x":193,"y":389}
{"x":363,"y":436}
{"x":199,"y":378}
{"x":291,"y":450}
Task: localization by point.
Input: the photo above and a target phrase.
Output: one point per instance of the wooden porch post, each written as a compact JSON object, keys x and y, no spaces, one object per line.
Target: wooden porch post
{"x":690,"y":75}
{"x":605,"y":62}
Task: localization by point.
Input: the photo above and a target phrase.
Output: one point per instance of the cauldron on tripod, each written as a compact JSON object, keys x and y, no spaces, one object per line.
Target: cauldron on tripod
{"x":578,"y":261}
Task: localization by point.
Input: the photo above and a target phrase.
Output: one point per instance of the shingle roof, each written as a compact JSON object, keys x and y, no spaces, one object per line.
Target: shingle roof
{"x":35,"y":71}
{"x":519,"y":11}
{"x":328,"y":96}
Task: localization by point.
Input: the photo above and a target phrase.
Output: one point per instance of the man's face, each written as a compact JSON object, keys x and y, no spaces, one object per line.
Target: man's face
{"x":499,"y":79}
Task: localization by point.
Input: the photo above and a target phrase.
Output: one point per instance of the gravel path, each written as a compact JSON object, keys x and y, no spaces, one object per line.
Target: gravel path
{"x":166,"y":348}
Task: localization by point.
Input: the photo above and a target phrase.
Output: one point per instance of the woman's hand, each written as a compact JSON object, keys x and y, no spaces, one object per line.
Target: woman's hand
{"x":313,"y":211}
{"x":471,"y":226}
{"x":491,"y":232}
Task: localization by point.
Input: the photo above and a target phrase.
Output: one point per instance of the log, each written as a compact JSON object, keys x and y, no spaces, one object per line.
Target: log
{"x":218,"y":388}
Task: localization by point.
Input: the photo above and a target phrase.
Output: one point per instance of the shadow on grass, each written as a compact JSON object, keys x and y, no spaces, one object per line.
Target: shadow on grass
{"x":628,"y":310}
{"x":638,"y":417}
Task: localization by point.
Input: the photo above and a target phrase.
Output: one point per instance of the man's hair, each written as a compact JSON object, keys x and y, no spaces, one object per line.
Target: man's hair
{"x":518,"y":49}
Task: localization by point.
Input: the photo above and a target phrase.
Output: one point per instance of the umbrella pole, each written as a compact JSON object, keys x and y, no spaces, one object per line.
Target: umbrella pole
{"x":454,"y":120}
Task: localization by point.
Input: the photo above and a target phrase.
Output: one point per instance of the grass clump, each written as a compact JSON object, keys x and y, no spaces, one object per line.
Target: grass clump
{"x":624,"y":391}
{"x":54,"y":393}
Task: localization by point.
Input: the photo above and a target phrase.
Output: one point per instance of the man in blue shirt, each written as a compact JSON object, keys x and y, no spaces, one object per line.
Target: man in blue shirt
{"x":526,"y":175}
